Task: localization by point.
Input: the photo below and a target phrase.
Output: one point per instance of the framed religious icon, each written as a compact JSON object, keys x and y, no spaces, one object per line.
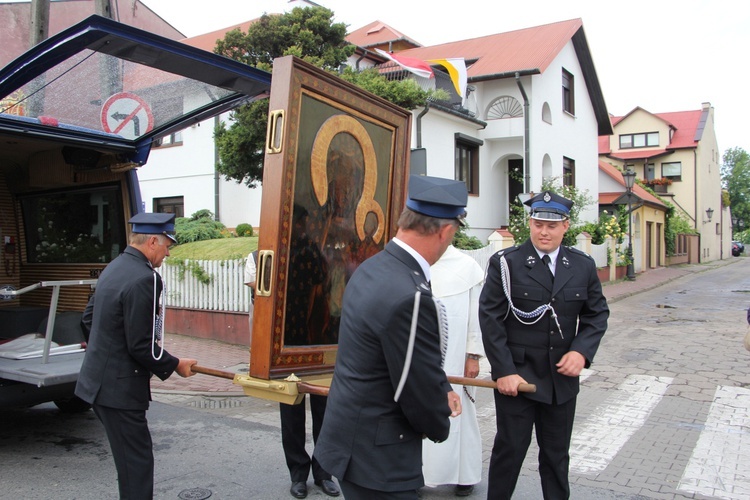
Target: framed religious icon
{"x":334,"y":183}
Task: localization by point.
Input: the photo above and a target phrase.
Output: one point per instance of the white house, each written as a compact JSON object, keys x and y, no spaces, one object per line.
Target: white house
{"x":533,"y":99}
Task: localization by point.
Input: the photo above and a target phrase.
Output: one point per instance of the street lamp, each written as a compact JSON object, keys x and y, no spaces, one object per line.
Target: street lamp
{"x":629,"y":177}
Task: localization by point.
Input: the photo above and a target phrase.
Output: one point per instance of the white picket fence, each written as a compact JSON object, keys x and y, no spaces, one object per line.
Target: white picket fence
{"x":227,"y":290}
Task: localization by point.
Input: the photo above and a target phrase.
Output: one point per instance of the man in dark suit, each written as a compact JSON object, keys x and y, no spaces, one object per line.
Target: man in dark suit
{"x":124,"y":350}
{"x":542,"y":315}
{"x":389,"y":390}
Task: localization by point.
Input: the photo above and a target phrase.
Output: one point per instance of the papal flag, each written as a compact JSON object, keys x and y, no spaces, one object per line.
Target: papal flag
{"x":416,"y":66}
{"x":456,"y":70}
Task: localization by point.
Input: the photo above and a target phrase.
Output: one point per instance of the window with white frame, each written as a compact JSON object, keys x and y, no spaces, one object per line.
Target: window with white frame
{"x":672,"y":170}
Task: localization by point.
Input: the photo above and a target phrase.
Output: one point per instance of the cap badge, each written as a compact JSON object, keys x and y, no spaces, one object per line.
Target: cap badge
{"x":547,"y":197}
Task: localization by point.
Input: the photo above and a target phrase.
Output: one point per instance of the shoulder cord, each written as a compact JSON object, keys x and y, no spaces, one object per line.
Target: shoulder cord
{"x":537,"y":313}
{"x":442,"y":317}
{"x":409,"y":347}
{"x":157,"y":329}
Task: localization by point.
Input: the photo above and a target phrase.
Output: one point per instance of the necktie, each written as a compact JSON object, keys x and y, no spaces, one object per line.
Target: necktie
{"x":547,"y":262}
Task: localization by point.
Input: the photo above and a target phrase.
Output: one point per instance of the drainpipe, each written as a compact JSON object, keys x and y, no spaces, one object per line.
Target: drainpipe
{"x":217,"y":176}
{"x":526,"y":169}
{"x":695,"y":176}
{"x":419,"y":124}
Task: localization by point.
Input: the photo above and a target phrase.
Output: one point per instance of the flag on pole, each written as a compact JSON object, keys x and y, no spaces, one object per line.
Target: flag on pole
{"x":457,"y":71}
{"x":416,"y":66}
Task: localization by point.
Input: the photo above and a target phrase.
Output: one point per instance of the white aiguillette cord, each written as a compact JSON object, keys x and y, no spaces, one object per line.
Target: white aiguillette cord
{"x":537,"y":313}
{"x":157,"y":329}
{"x":443,"y":326}
{"x":409,"y":347}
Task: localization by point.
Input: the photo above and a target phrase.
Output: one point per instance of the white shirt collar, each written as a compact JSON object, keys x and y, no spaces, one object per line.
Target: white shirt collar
{"x":421,"y":260}
{"x":552,"y":257}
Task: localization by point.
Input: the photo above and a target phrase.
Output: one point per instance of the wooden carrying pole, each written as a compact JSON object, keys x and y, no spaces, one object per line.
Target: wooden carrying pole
{"x":319,"y":390}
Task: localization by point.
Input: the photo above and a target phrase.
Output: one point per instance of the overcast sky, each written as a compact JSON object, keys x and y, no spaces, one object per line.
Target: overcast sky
{"x":661,"y":55}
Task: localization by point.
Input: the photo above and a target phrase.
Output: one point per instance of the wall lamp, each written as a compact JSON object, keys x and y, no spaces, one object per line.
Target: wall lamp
{"x":709,"y":215}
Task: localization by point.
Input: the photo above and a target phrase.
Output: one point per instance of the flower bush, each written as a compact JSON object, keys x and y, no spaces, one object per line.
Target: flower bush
{"x":661,"y":181}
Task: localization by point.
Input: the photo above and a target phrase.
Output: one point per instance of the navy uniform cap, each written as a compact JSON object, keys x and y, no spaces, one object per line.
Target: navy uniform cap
{"x":549,"y":206}
{"x":154,"y":223}
{"x":437,"y":197}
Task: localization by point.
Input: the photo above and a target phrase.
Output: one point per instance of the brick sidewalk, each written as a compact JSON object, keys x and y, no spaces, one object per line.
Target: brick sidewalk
{"x":235,"y":358}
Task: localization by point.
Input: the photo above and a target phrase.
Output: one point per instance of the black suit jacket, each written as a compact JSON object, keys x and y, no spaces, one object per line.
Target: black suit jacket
{"x":533,"y":350}
{"x":119,"y":362}
{"x":367,"y":437}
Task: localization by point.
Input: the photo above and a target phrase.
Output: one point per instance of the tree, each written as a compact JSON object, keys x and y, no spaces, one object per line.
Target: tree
{"x":308,"y":33}
{"x":735,"y":177}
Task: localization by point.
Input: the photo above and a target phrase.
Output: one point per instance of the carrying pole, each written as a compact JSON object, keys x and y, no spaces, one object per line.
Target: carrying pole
{"x":320,"y":390}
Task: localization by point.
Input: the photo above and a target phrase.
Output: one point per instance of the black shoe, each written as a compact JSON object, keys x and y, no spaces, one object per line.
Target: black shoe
{"x":298,"y":489}
{"x":328,"y":487}
{"x":464,"y":490}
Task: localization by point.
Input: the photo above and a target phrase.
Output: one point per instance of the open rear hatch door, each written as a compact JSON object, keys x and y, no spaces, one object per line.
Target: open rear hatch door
{"x":101,"y":86}
{"x":116,"y":88}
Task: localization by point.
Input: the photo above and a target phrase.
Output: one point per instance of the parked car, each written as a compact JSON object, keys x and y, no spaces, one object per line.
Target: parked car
{"x":737,"y":248}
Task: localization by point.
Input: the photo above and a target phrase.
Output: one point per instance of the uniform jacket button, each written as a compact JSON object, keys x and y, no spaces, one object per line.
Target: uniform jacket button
{"x":401,"y":436}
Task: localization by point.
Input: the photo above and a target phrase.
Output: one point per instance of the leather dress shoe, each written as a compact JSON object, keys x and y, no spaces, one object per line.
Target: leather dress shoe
{"x":298,"y":489}
{"x":464,"y":490}
{"x":328,"y":487}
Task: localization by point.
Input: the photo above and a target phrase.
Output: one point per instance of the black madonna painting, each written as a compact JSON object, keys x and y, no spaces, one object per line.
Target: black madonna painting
{"x":334,"y":182}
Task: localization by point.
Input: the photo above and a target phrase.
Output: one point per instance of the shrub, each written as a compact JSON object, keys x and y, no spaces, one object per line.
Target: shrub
{"x":465,"y":242}
{"x":244,"y":230}
{"x":198,"y":227}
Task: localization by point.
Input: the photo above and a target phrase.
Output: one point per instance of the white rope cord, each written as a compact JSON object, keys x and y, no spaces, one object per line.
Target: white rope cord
{"x":157,"y":328}
{"x":442,"y":317}
{"x":410,"y":346}
{"x":537,"y":313}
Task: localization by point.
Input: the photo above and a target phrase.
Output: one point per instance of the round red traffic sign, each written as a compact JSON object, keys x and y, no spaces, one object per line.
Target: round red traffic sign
{"x":128,"y":115}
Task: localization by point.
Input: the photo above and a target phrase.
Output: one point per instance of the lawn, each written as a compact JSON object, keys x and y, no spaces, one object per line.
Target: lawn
{"x":219,"y":249}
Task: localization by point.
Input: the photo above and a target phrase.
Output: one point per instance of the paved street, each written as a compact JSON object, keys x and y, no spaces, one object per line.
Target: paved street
{"x":663,"y":412}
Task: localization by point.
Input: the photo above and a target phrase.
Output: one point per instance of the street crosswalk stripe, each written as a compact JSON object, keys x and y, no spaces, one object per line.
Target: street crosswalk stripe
{"x":719,"y":466}
{"x":598,"y":439}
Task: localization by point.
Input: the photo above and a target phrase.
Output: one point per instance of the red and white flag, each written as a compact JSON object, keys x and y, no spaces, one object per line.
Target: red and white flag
{"x":416,"y":66}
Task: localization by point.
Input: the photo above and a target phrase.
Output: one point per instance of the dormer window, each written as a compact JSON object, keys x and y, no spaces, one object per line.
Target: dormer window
{"x":645,"y":140}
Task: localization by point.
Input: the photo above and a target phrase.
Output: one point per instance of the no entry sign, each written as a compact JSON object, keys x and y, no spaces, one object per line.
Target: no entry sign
{"x":127,"y":115}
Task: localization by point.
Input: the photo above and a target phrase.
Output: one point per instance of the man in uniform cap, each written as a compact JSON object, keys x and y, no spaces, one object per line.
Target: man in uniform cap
{"x":389,"y":390}
{"x":125,"y":350}
{"x":542,"y":315}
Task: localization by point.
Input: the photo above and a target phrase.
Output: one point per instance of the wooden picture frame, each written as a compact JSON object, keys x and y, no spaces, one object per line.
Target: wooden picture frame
{"x":334,"y":183}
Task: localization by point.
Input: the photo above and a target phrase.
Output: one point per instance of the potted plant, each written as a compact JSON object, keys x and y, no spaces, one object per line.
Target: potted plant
{"x":658,"y":185}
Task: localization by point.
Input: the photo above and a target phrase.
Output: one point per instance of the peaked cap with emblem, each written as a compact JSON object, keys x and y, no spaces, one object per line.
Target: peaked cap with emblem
{"x":154,"y":223}
{"x":438,"y":197}
{"x":549,"y":206}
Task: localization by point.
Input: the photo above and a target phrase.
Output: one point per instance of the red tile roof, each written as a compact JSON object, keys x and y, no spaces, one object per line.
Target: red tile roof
{"x":528,"y":50}
{"x":207,"y":41}
{"x":608,"y":198}
{"x":638,"y":154}
{"x":377,"y":33}
{"x":687,"y":133}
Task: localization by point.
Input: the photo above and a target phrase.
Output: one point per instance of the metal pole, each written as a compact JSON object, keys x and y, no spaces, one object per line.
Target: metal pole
{"x":630,"y":269}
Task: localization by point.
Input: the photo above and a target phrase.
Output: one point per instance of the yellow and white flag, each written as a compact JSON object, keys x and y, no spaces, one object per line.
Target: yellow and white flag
{"x":456,"y":70}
